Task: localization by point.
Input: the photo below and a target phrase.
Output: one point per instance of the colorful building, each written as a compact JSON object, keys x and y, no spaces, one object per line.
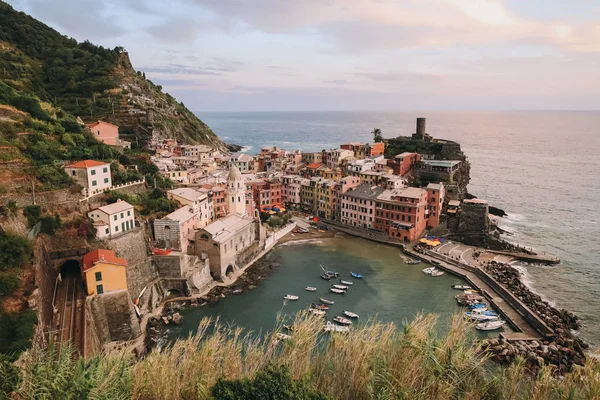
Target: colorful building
{"x":175,"y":230}
{"x":401,"y":213}
{"x":107,"y":133}
{"x":93,"y":176}
{"x":342,"y":186}
{"x":358,"y":206}
{"x":435,"y":201}
{"x":113,"y":219}
{"x":103,"y":272}
{"x":403,"y":163}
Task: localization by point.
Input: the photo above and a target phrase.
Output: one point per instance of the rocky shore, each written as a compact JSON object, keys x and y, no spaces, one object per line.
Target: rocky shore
{"x":563,"y":351}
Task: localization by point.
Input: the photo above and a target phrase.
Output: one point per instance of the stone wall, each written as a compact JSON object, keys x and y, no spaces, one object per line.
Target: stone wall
{"x":140,"y":275}
{"x":473,"y":218}
{"x":52,"y":198}
{"x":132,"y":246}
{"x":113,"y":317}
{"x":45,"y":279}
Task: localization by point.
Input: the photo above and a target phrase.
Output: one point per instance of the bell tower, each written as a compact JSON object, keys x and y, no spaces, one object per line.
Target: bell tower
{"x":236,"y":187}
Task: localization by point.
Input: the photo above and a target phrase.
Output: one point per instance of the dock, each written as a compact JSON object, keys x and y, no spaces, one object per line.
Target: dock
{"x":527,"y":257}
{"x":526,"y":325}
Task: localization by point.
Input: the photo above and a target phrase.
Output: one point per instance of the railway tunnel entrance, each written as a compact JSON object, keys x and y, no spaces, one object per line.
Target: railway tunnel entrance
{"x":69,"y":304}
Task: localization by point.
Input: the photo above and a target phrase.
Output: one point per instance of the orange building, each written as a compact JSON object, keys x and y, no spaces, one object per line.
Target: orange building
{"x":403,"y":163}
{"x":401,"y":213}
{"x":103,"y":272}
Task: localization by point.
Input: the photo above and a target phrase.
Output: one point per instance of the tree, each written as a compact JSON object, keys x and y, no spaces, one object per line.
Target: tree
{"x":377,"y":137}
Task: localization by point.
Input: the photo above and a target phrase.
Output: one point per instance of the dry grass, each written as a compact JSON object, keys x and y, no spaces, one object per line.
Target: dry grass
{"x":374,"y":361}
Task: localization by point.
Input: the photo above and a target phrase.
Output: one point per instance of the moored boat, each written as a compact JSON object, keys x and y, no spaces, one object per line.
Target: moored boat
{"x":337,"y":291}
{"x":413,"y":261}
{"x":355,"y":275}
{"x":290,"y":297}
{"x":326,"y":277}
{"x":332,"y":274}
{"x":325,"y":301}
{"x":331,"y":327}
{"x":341,"y":287}
{"x":346,"y":282}
{"x":461,"y":287}
{"x":478,"y":305}
{"x":319,"y":306}
{"x":428,"y":271}
{"x":318,"y":313}
{"x":342,"y":320}
{"x":310,"y":289}
{"x":437,"y":272}
{"x":490,"y":325}
{"x":482,"y":316}
{"x":350,"y":314}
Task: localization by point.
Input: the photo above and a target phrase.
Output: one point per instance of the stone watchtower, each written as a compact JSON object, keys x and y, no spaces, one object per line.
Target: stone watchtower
{"x":421,"y":133}
{"x":237,"y":192}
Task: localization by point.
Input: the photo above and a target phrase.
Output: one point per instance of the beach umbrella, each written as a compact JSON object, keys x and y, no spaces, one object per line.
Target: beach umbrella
{"x":282,"y":209}
{"x":276,"y":208}
{"x":423,"y":240}
{"x":271,"y":212}
{"x":267,"y":208}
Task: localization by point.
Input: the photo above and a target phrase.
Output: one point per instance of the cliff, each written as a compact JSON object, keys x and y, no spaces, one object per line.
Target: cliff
{"x":56,"y":76}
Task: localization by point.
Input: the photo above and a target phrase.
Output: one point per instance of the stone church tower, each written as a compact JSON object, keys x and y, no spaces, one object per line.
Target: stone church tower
{"x":237,"y":192}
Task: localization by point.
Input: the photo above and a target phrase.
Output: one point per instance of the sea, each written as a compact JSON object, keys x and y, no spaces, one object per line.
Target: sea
{"x":541,"y":167}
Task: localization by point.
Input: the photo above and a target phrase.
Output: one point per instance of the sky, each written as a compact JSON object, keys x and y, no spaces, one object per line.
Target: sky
{"x":276,"y":55}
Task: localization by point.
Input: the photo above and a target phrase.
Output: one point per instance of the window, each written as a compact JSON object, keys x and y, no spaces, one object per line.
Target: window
{"x":105,"y":170}
{"x":115,"y":218}
{"x":107,"y":231}
{"x":105,"y":180}
{"x":117,"y":228}
{"x":94,"y":183}
{"x":99,"y":289}
{"x":73,"y":173}
{"x":98,"y":276}
{"x":93,"y":172}
{"x":121,"y":215}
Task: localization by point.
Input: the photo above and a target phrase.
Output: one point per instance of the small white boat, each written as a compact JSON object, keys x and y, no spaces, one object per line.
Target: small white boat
{"x":338,"y":291}
{"x":310,"y":289}
{"x":290,"y":297}
{"x":437,"y":272}
{"x":325,"y":301}
{"x":331,"y":327}
{"x":282,"y":336}
{"x":481,"y":316}
{"x":490,"y":325}
{"x":428,"y":271}
{"x":236,"y":291}
{"x":348,"y":283}
{"x":461,"y":287}
{"x":342,"y":320}
{"x":315,"y":312}
{"x":341,"y":287}
{"x":350,"y":314}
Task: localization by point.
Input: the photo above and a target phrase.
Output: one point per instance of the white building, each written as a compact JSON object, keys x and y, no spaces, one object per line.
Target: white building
{"x":336,"y":156}
{"x":199,"y":200}
{"x":236,"y":196}
{"x":113,"y":219}
{"x":176,"y":229}
{"x":93,"y":176}
{"x":244,"y":162}
{"x":355,"y":167}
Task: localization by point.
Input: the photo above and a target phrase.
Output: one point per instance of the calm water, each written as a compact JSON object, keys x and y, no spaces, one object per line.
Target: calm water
{"x":391,"y":290}
{"x":543,"y":168}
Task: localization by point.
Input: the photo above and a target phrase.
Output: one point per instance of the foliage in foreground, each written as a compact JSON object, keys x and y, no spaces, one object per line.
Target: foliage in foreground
{"x":375,"y":361}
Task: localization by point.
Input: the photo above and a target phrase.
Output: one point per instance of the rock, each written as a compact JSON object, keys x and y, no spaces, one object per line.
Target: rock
{"x":32,"y":301}
{"x":165,"y":320}
{"x":153,"y":321}
{"x":553,"y":348}
{"x":534,"y":343}
{"x":177,"y":319}
{"x":493,"y":342}
{"x":541,"y":361}
{"x":544,"y":349}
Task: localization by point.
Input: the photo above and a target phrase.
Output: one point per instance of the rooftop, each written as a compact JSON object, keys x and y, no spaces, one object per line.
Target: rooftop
{"x":107,"y":256}
{"x":93,"y":124}
{"x":405,"y":154}
{"x":86,"y":164}
{"x":365,"y":191}
{"x":454,"y":203}
{"x":411,"y":193}
{"x":187,"y":193}
{"x":222,"y":230}
{"x":475,"y":201}
{"x":434,"y":186}
{"x":244,"y":158}
{"x":117,"y":207}
{"x":441,"y":163}
{"x":181,"y":215}
{"x":313,"y":165}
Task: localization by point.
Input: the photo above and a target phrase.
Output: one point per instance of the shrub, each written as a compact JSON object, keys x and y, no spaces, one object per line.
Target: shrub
{"x":15,"y":251}
{"x":10,"y":377}
{"x":50,"y":224}
{"x":8,"y":282}
{"x":53,"y":176}
{"x":274,"y":222}
{"x":33,"y":214}
{"x":16,"y":331}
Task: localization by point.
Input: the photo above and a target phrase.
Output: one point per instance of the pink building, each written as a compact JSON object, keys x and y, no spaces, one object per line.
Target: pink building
{"x":358,"y":206}
{"x":435,"y":199}
{"x":342,"y":186}
{"x":176,"y":229}
{"x":107,"y":133}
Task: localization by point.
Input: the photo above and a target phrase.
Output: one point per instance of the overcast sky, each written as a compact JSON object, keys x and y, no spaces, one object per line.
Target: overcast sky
{"x":238,"y":55}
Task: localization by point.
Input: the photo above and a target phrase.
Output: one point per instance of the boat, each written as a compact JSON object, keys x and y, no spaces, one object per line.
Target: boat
{"x":350,"y":314}
{"x":413,"y":261}
{"x":341,"y":287}
{"x":482,"y":316}
{"x":310,"y":289}
{"x":355,"y":275}
{"x":282,"y":336}
{"x":461,"y":287}
{"x":332,"y":274}
{"x":319,"y":306}
{"x":346,"y":283}
{"x":428,"y":271}
{"x":477,"y":305}
{"x":236,"y":291}
{"x":331,"y":327}
{"x":325,"y":301}
{"x":338,"y":291}
{"x":342,"y":320}
{"x":290,"y":297}
{"x":437,"y":272}
{"x":325,"y":276}
{"x":315,"y":312}
{"x":490,"y":325}
{"x":300,"y":230}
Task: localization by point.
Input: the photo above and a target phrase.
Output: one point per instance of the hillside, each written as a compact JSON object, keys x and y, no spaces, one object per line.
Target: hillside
{"x":88,"y":81}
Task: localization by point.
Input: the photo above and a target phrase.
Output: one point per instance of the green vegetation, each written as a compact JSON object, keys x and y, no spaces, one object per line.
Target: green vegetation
{"x":375,"y":361}
{"x":377,"y":136}
{"x":49,"y":224}
{"x":15,"y":252}
{"x":150,"y":203}
{"x":403,"y":144}
{"x":16,"y":330}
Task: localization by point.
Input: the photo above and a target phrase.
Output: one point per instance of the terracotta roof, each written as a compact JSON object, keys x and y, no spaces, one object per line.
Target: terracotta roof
{"x":86,"y":164}
{"x":91,"y":258}
{"x":313,"y":165}
{"x":93,"y":124}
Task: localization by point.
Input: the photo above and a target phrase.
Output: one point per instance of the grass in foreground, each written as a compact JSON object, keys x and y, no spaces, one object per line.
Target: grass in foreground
{"x":375,"y":361}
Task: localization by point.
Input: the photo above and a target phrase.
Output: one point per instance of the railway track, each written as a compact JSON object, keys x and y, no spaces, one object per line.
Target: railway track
{"x":70,"y":304}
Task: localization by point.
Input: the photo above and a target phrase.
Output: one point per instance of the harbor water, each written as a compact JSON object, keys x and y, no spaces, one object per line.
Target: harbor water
{"x":391,"y":291}
{"x":541,"y":167}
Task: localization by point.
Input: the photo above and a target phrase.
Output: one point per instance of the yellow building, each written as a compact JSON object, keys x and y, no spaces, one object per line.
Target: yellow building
{"x":103,"y":272}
